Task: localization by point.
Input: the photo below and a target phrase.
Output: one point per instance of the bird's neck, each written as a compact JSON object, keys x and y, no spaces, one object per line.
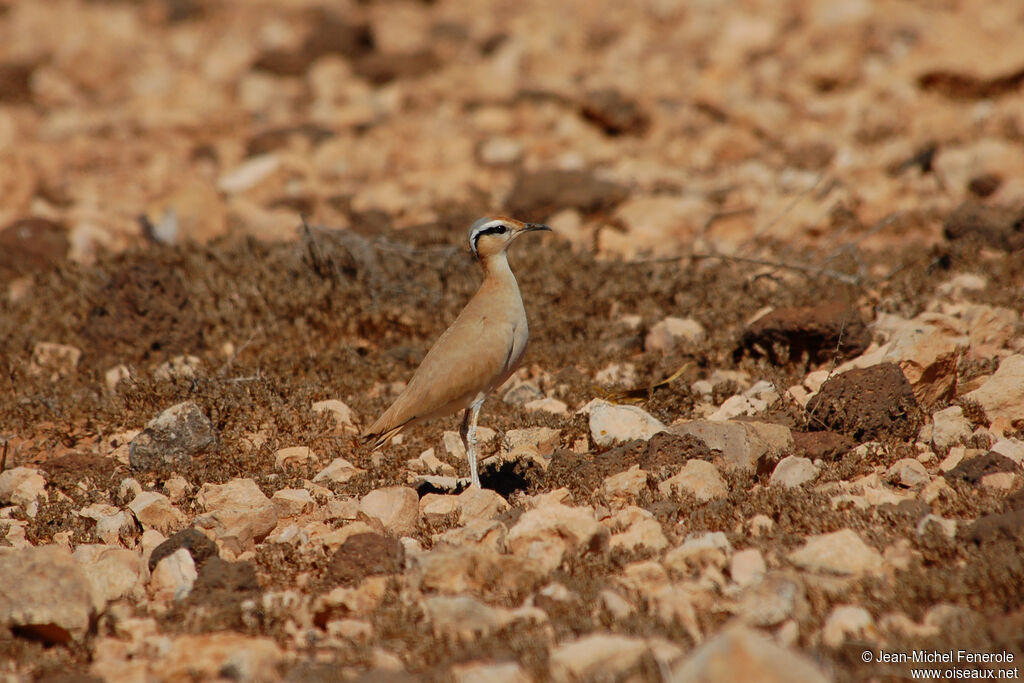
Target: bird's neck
{"x":497,"y":270}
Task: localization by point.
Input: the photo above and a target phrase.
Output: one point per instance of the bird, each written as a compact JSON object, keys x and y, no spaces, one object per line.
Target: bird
{"x":476,"y":354}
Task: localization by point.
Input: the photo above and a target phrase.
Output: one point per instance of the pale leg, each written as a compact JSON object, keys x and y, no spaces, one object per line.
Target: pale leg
{"x":468,"y":433}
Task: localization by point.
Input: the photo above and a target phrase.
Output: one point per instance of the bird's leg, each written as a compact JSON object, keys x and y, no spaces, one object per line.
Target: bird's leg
{"x":469,"y":439}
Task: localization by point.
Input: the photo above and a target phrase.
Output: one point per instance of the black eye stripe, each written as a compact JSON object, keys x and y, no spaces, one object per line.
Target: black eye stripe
{"x":493,"y":230}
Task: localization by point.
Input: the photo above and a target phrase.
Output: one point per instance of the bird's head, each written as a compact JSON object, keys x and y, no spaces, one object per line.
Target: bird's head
{"x":492,"y":235}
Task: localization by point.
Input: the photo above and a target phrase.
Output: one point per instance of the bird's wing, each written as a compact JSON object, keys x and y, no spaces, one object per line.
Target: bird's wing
{"x":464,"y":362}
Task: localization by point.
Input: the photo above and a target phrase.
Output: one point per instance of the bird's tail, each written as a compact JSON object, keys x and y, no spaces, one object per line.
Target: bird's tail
{"x":378,"y":436}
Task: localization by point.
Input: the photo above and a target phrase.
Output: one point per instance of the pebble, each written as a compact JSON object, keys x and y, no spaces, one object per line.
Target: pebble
{"x":793,"y":471}
{"x":397,"y":508}
{"x":596,"y":656}
{"x":738,"y":653}
{"x":846,"y":622}
{"x":743,"y":444}
{"x":666,"y":334}
{"x":1002,"y":394}
{"x":172,"y":438}
{"x":698,"y":478}
{"x":339,"y":471}
{"x":23,"y":486}
{"x":155,"y":511}
{"x":237,"y":513}
{"x":841,"y":552}
{"x":611,"y":423}
{"x":747,"y":566}
{"x":34,"y":578}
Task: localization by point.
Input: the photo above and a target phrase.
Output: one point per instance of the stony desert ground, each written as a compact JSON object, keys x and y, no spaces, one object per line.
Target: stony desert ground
{"x":770,"y":425}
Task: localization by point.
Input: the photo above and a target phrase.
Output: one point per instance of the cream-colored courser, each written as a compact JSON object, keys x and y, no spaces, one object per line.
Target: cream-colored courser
{"x":476,"y":354}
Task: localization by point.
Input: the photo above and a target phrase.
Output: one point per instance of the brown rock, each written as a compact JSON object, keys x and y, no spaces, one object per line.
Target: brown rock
{"x":31,"y":244}
{"x":825,"y":445}
{"x":786,"y":334}
{"x":613,"y":113}
{"x":869,"y":403}
{"x":1001,"y":227}
{"x":365,"y":555}
{"x":540,"y":194}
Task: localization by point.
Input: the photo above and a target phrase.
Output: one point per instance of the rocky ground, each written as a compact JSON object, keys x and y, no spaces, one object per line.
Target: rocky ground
{"x":772,"y":415}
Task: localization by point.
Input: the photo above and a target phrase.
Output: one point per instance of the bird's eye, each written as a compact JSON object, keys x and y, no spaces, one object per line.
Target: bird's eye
{"x":501,"y":229}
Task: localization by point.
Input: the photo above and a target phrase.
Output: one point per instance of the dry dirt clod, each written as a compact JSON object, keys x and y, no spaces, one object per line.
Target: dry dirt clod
{"x":867,"y":403}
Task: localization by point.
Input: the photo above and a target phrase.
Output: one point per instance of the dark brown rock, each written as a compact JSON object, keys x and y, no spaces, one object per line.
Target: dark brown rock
{"x":198,"y":545}
{"x":329,"y":34}
{"x":984,"y":185}
{"x":972,"y":470}
{"x":15,"y":82}
{"x":995,"y":226}
{"x":823,"y":332}
{"x":380,"y":68}
{"x":866,"y":404}
{"x":365,"y":555}
{"x":32,"y":244}
{"x":1006,"y":525}
{"x":538,"y":195}
{"x":613,"y":113}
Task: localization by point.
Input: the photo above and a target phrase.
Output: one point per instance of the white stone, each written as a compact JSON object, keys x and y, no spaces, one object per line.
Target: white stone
{"x":950,"y":427}
{"x":46,"y":593}
{"x":793,"y":471}
{"x":1011,"y":448}
{"x":1002,"y":394}
{"x":945,"y":526}
{"x":848,"y":621}
{"x":547,"y":405}
{"x":55,"y":360}
{"x":155,"y":511}
{"x":500,"y":151}
{"x":478,"y":503}
{"x":248,"y":174}
{"x":700,"y":550}
{"x":841,"y":552}
{"x":339,"y":471}
{"x":541,"y":440}
{"x":397,"y":508}
{"x":698,"y":478}
{"x":179,"y":367}
{"x":738,"y":653}
{"x":208,"y":656}
{"x":238,"y":514}
{"x":666,"y":334}
{"x":111,"y":522}
{"x":116,"y":375}
{"x":113,"y":573}
{"x":908,"y":472}
{"x":625,"y":485}
{"x":490,"y":672}
{"x":22,"y":486}
{"x":292,"y":502}
{"x":550,"y":531}
{"x":610,"y":423}
{"x":747,"y":566}
{"x":597,"y":656}
{"x":742,"y":443}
